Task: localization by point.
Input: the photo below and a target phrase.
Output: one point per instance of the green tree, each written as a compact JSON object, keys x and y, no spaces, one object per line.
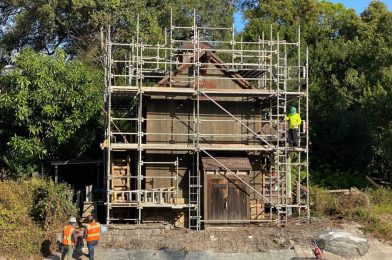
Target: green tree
{"x":350,"y":66}
{"x":45,"y":102}
{"x":75,"y":25}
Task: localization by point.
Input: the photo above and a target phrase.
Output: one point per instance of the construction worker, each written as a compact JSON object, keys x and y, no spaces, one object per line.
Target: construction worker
{"x":92,"y":234}
{"x":69,"y":238}
{"x":294,"y":123}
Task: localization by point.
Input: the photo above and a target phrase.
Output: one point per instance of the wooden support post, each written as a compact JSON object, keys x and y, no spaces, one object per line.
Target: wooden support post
{"x":98,"y":176}
{"x":288,"y":185}
{"x":56,"y":174}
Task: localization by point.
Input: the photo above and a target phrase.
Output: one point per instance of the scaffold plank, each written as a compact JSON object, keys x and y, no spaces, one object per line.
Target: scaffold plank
{"x":177,"y":91}
{"x":185,"y":147}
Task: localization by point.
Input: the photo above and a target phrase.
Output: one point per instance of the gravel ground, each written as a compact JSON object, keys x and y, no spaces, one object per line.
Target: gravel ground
{"x":236,"y":243}
{"x":244,"y":239}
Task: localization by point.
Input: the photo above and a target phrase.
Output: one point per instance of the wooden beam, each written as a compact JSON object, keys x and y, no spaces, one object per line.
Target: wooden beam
{"x":372,"y":182}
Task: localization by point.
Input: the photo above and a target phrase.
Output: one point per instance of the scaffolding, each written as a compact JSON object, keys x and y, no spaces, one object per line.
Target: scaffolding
{"x":271,"y":70}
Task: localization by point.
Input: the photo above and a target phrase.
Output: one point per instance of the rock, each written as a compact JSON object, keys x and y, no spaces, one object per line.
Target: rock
{"x":331,"y":256}
{"x":288,"y":244}
{"x":302,"y":253}
{"x":298,"y":251}
{"x":292,"y":242}
{"x":213,"y":238}
{"x":343,"y":244}
{"x":279,"y":241}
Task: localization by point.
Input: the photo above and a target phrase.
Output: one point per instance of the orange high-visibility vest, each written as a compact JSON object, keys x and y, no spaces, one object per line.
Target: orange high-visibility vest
{"x":67,"y":239}
{"x":93,"y":231}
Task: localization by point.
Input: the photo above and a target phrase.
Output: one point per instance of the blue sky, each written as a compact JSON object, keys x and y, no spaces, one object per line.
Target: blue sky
{"x":357,"y":5}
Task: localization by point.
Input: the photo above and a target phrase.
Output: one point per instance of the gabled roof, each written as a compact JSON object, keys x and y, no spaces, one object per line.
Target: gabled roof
{"x":190,"y":46}
{"x":208,"y":55}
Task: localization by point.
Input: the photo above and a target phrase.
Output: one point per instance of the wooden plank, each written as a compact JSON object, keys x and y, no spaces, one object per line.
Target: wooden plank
{"x":185,"y":147}
{"x":218,"y":199}
{"x":237,"y":202}
{"x":372,"y":182}
{"x":190,"y":91}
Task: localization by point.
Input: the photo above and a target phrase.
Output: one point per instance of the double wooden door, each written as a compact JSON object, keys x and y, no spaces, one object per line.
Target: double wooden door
{"x":227,"y":200}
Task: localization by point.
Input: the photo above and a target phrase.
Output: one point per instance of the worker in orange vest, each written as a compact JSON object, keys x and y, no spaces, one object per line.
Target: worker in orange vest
{"x":69,"y":238}
{"x":92,"y":234}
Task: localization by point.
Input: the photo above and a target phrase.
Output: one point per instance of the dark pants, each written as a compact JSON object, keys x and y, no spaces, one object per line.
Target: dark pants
{"x":67,"y":253}
{"x":293,"y":137}
{"x":90,"y":246}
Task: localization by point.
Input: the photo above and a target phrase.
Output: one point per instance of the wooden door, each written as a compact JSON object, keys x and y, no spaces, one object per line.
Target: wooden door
{"x":228,"y":200}
{"x":237,"y":207}
{"x":218,"y":199}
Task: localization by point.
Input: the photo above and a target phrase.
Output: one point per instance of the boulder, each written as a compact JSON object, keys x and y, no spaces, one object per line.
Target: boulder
{"x":343,"y":244}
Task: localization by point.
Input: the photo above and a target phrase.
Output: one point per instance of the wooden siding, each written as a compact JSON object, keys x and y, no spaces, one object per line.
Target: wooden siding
{"x":164,"y":170}
{"x":171,"y":121}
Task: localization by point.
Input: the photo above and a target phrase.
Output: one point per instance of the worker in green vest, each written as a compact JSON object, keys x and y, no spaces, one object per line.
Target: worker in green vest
{"x":294,"y":123}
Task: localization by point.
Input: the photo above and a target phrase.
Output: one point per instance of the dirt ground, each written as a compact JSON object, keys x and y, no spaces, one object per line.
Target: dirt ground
{"x":229,"y":239}
{"x":261,"y":242}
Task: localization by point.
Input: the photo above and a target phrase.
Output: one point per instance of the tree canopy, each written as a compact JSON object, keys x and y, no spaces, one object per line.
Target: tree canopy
{"x":351,"y":71}
{"x":74,"y":25}
{"x":47,"y":109}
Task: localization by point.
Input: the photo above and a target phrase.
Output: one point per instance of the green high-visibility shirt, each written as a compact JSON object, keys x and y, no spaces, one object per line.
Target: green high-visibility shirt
{"x":294,"y":120}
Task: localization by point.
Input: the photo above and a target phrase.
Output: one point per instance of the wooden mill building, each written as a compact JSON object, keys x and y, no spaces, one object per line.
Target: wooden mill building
{"x":195,"y":133}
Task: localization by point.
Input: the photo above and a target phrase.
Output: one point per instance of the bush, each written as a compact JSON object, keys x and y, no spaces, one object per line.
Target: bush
{"x":52,"y":203}
{"x":373,"y":223}
{"x":28,"y":209}
{"x":322,"y":202}
{"x":325,"y":203}
{"x":348,"y":203}
{"x":380,"y":196}
{"x":371,"y":208}
{"x":19,"y":235}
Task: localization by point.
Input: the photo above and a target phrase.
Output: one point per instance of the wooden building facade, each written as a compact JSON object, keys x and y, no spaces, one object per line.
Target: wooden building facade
{"x":195,"y":135}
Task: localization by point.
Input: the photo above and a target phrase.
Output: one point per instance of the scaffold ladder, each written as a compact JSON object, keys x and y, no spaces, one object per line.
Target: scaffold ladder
{"x":194,"y":200}
{"x":281,"y":151}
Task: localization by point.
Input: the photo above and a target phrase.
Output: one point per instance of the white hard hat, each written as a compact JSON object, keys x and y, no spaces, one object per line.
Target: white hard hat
{"x":72,"y":220}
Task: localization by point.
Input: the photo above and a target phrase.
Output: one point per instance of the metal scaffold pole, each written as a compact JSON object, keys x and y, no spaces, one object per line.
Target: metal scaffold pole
{"x":299,"y":109}
{"x":108,"y":122}
{"x":139,"y":78}
{"x":307,"y":136}
{"x":194,"y":183}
